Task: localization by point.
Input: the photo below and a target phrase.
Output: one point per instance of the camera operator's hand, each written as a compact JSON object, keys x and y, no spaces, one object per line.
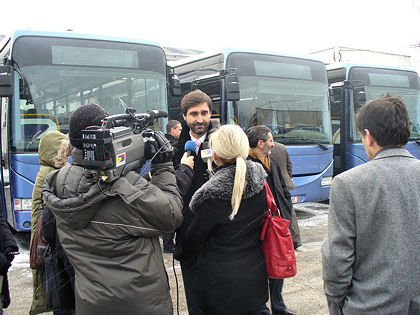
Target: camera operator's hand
{"x":156,"y":141}
{"x":188,"y":160}
{"x":4,"y":264}
{"x":9,"y":253}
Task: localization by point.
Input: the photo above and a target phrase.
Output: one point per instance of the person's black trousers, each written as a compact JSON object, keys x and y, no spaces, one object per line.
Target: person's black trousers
{"x":276,"y":299}
{"x":190,"y":275}
{"x":168,"y":241}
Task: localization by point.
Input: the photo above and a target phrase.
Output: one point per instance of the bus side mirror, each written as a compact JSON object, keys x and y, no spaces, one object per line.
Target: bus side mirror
{"x":359,"y":97}
{"x":6,"y":81}
{"x":232,"y":88}
{"x":232,"y":84}
{"x":174,"y":85}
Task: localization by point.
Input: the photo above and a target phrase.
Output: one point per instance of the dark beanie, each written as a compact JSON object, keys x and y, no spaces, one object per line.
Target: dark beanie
{"x":83,"y":117}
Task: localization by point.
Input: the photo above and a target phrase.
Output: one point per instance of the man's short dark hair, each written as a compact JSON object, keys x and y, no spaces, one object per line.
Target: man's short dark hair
{"x":256,"y":134}
{"x":387,"y":120}
{"x":195,"y":98}
{"x":171,"y":124}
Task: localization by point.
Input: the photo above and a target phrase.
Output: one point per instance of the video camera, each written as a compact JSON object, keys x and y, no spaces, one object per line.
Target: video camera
{"x":117,"y":147}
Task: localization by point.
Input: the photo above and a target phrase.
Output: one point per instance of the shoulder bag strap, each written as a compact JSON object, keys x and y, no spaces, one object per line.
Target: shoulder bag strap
{"x":271,"y":203}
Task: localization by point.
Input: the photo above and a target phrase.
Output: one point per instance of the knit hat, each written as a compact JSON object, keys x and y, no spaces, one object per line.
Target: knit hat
{"x":83,"y":117}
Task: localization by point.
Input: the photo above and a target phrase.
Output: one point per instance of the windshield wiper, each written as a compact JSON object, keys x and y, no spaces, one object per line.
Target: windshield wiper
{"x":323,"y":147}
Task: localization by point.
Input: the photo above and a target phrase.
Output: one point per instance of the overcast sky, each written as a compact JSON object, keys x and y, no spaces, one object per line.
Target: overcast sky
{"x":299,"y":26}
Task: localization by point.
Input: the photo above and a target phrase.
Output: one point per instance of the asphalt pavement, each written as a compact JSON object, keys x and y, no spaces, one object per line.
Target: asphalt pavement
{"x":302,"y":293}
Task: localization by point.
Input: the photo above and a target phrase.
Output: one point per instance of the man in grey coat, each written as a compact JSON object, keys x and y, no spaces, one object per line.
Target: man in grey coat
{"x":371,"y":256}
{"x":110,"y":231}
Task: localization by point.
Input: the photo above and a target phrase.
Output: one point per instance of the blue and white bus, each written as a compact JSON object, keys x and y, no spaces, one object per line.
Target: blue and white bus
{"x":287,"y":93}
{"x":353,"y":84}
{"x":45,"y":76}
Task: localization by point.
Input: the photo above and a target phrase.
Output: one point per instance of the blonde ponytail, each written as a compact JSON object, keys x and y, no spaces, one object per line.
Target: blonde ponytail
{"x":231,"y":145}
{"x":238,"y":186}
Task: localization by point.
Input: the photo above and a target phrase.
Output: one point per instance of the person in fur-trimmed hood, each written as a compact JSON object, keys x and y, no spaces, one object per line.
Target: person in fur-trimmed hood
{"x":49,"y":145}
{"x":225,"y":231}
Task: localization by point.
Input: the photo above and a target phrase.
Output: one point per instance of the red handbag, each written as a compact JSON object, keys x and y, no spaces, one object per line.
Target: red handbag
{"x":276,"y":241}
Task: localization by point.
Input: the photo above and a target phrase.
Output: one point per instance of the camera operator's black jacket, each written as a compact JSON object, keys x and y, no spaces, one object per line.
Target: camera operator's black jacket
{"x":8,"y":245}
{"x":110,"y":234}
{"x":188,"y":184}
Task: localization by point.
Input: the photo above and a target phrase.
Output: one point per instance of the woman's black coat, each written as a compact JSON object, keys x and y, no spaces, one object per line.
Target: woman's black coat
{"x":232,"y":272}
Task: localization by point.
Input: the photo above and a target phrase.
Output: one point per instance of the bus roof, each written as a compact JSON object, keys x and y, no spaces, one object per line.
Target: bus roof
{"x":349,"y":65}
{"x":227,"y":51}
{"x":69,"y":34}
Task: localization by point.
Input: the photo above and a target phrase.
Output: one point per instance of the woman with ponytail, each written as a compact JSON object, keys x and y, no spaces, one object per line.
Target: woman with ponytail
{"x":226,"y":229}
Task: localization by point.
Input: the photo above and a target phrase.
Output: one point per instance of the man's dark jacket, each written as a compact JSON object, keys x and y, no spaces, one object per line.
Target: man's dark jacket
{"x":171,"y":139}
{"x":187,"y":185}
{"x":278,"y":187}
{"x":7,"y":244}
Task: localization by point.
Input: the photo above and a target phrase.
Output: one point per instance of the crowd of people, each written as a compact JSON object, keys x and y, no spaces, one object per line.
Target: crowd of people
{"x":104,"y":238}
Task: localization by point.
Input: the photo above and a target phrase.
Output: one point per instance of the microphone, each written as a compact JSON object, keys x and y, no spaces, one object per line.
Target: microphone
{"x":206,"y":156}
{"x":190,"y":147}
{"x":206,"y":151}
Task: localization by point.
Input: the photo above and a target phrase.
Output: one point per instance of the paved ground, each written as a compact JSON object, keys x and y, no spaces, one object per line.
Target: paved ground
{"x":302,"y":293}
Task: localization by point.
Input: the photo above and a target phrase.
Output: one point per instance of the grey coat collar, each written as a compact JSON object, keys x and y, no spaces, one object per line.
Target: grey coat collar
{"x":220,"y":185}
{"x":393,"y":152}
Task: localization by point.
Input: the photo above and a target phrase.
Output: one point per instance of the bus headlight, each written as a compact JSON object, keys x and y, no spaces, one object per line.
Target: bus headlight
{"x":326,"y":181}
{"x":23,"y":204}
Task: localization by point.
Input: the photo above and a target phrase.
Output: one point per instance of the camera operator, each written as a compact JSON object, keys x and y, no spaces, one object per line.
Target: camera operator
{"x":110,"y":231}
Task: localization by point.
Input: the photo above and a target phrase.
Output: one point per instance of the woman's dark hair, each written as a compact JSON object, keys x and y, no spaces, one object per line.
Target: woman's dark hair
{"x":387,"y":120}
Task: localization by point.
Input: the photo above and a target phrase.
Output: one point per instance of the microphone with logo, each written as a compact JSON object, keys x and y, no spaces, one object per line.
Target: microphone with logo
{"x":190,"y":147}
{"x":206,"y":156}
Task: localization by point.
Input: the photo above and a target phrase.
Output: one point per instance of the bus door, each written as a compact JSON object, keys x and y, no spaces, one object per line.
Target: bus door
{"x":211,"y":87}
{"x":3,"y":164}
{"x":340,"y":94}
{"x":221,"y":89}
{"x":6,"y":91}
{"x":338,"y":127}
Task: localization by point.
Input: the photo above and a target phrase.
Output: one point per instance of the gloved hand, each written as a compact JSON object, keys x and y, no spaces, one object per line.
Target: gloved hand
{"x":153,"y":141}
{"x":4,"y":264}
{"x":8,"y":253}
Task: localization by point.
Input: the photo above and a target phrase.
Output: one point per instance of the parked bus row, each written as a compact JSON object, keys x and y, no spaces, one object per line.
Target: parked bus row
{"x":290,"y":94}
{"x":352,"y":85}
{"x":310,"y":108}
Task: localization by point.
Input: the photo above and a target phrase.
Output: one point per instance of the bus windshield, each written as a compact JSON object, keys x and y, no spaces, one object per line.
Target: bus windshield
{"x":288,"y":95}
{"x":395,"y":82}
{"x":55,"y":76}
